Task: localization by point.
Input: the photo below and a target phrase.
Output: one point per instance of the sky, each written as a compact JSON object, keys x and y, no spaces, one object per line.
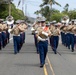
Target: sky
{"x":30,"y":6}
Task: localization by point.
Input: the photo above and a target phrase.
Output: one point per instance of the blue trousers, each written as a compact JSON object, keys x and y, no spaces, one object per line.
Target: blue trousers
{"x":55,"y":43}
{"x":8,"y":36}
{"x":0,"y":40}
{"x":51,"y":42}
{"x":16,"y":40}
{"x":43,"y":49}
{"x":68,"y":40}
{"x":4,"y":38}
{"x":21,"y":38}
{"x":24,"y":36}
{"x":62,"y":37}
{"x":36,"y":43}
{"x":72,"y":41}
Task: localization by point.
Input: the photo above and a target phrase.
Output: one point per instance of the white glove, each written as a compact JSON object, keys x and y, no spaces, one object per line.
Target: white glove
{"x":32,"y":29}
{"x":36,"y":32}
{"x":46,"y":34}
{"x":40,"y":39}
{"x":9,"y":30}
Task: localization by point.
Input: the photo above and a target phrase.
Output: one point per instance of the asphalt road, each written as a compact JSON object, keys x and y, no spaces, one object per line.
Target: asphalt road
{"x":27,"y":61}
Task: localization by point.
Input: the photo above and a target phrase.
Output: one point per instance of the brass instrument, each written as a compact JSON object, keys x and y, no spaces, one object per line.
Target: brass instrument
{"x":9,"y":20}
{"x":65,"y":19}
{"x":40,"y":30}
{"x":70,"y":27}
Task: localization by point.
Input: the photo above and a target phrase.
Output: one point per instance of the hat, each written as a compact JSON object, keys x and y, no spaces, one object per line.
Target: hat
{"x":59,"y":24}
{"x":69,"y":22}
{"x":4,"y":22}
{"x":48,"y":24}
{"x":18,"y":21}
{"x":72,"y":20}
{"x":54,"y":21}
{"x":1,"y":20}
{"x":56,"y":24}
{"x":41,"y":19}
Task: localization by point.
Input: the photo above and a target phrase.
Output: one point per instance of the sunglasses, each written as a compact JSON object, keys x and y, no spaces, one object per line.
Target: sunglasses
{"x":42,"y":21}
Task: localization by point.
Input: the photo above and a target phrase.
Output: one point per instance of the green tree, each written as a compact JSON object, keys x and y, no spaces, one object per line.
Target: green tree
{"x":72,"y":14}
{"x":50,"y":3}
{"x":37,"y":12}
{"x":66,"y":9}
{"x":57,"y":16}
{"x":16,"y":13}
{"x":46,"y":8}
{"x":46,"y":12}
{"x":5,"y":1}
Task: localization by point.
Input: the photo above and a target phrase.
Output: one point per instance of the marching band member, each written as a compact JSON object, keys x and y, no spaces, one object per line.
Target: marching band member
{"x":74,"y":31}
{"x":42,"y":35}
{"x":72,"y":36}
{"x":55,"y":34}
{"x":51,"y":27}
{"x":24,"y":34}
{"x":36,"y":25}
{"x":16,"y":38}
{"x":69,"y":28}
{"x":4,"y":34}
{"x":22,"y":28}
{"x":0,"y":35}
{"x":62,"y":33}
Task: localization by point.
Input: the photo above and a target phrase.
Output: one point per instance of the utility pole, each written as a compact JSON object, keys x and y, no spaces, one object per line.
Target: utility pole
{"x":22,"y":5}
{"x":26,"y":9}
{"x":9,"y":7}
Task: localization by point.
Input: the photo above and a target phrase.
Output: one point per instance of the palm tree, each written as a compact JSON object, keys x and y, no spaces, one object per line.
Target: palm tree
{"x":37,"y":13}
{"x":66,"y":7}
{"x":53,"y":2}
{"x":49,"y":3}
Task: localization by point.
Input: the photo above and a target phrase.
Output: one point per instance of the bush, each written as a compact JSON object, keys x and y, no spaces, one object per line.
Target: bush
{"x":57,"y":16}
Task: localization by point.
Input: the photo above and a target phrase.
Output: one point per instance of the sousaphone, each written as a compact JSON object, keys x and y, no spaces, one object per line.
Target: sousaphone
{"x":9,"y":20}
{"x":65,"y":19}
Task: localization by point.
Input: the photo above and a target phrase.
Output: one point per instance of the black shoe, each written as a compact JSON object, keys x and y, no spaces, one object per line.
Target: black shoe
{"x":68,"y":47}
{"x":37,"y":52}
{"x":55,"y":52}
{"x":3,"y":46}
{"x":18,"y":51}
{"x":0,"y":48}
{"x":72,"y":50}
{"x":15,"y":53}
{"x":41,"y":66}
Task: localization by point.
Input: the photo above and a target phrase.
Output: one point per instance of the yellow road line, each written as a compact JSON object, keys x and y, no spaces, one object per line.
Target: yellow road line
{"x":50,"y":66}
{"x":45,"y":70}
